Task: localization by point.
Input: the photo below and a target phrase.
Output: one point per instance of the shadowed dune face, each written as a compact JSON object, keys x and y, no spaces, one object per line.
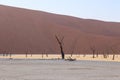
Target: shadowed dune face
{"x":24,"y":30}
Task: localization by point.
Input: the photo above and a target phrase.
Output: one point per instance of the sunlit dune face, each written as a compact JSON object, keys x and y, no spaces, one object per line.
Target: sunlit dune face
{"x":34,"y":31}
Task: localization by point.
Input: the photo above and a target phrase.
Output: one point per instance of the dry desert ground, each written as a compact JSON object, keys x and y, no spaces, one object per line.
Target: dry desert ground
{"x":38,"y":69}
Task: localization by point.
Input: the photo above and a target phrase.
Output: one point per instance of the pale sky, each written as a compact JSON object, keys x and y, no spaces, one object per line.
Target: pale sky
{"x":107,"y":10}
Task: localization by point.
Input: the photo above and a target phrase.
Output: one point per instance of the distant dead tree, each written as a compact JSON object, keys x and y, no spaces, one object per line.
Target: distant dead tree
{"x":60,"y":42}
{"x":73,"y":46}
{"x":93,"y":49}
{"x":72,"y":51}
{"x":42,"y":55}
{"x":118,"y":52}
{"x":2,"y":52}
{"x":97,"y":53}
{"x":115,"y":50}
{"x":31,"y":53}
{"x":46,"y":53}
{"x":26,"y":54}
{"x":84,"y":54}
{"x":5,"y":53}
{"x":84,"y":51}
{"x":113,"y":58}
{"x":28,"y":51}
{"x":104,"y":54}
{"x":10,"y":54}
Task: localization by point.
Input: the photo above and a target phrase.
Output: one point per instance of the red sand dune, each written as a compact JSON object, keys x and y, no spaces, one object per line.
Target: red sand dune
{"x":24,"y":30}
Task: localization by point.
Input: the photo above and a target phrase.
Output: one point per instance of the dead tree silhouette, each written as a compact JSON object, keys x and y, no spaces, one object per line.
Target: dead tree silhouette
{"x":93,"y":49}
{"x":60,"y":42}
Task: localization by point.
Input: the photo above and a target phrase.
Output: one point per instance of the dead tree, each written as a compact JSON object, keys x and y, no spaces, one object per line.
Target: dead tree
{"x":85,"y":52}
{"x":104,"y":54}
{"x":26,"y":54}
{"x":10,"y":54}
{"x":108,"y":53}
{"x":114,"y":53}
{"x":30,"y":52}
{"x":3,"y":52}
{"x":73,"y":46}
{"x":46,"y":54}
{"x":93,"y":49}
{"x":113,"y":58}
{"x":60,"y":42}
{"x":97,"y":53}
{"x":114,"y":49}
{"x":42,"y":55}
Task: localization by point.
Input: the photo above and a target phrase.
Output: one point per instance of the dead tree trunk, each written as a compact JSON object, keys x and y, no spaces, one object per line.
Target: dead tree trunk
{"x":73,"y":46}
{"x":60,"y":42}
{"x":113,"y":58}
{"x":93,"y":49}
{"x":3,"y":53}
{"x":46,"y":54}
{"x":97,"y":54}
{"x":62,"y":52}
{"x":10,"y":54}
{"x":42,"y":55}
{"x":71,"y":54}
{"x":31,"y":54}
{"x":26,"y":54}
{"x":93,"y":53}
